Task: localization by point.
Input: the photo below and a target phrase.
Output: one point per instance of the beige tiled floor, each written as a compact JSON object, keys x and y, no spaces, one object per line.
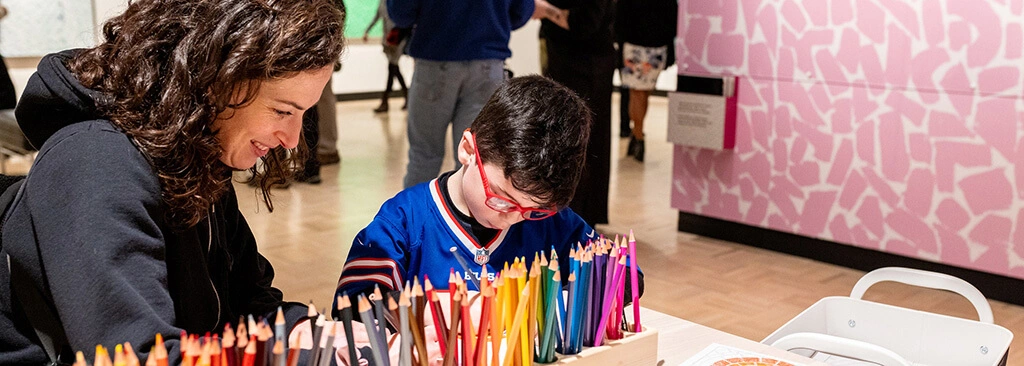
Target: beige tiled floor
{"x":742,"y":290}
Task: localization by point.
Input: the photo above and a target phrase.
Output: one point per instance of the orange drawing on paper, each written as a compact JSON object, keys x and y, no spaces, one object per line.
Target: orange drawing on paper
{"x":751,"y":361}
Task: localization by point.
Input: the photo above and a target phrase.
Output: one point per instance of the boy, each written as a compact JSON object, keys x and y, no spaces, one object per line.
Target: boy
{"x":521,"y":160}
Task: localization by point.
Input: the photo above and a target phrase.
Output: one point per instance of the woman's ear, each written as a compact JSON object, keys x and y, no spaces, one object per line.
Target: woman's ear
{"x":466,"y":153}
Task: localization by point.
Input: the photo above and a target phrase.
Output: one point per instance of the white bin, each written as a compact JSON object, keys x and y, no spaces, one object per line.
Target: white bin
{"x":890,"y":335}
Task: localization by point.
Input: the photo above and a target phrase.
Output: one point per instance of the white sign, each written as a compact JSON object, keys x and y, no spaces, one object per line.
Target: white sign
{"x":696,"y":120}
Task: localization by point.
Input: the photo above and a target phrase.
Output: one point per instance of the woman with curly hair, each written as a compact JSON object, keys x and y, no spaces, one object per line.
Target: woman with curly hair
{"x":127,"y":224}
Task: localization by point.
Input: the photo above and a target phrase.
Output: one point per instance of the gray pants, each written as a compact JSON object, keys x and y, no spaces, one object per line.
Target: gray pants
{"x":326,"y":107}
{"x":442,"y":93}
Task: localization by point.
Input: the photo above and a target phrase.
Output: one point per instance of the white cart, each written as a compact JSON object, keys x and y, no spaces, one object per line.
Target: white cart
{"x":866,"y":332}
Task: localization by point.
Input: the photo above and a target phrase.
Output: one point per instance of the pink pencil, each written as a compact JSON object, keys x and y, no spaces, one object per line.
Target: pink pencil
{"x":635,"y":286}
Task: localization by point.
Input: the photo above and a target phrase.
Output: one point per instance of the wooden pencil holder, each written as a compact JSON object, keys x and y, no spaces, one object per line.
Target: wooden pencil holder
{"x":633,"y":349}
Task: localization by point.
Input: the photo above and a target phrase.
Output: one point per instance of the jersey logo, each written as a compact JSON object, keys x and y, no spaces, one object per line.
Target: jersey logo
{"x":482,"y":257}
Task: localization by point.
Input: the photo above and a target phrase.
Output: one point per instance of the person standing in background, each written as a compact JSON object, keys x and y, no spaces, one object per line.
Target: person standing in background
{"x":581,"y":56}
{"x":459,"y":48}
{"x":327,"y":121}
{"x":394,"y":41}
{"x":7,"y":94}
{"x":647,"y":29}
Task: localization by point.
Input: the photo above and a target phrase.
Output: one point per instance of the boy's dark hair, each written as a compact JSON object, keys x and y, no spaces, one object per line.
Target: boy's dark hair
{"x":536,"y":130}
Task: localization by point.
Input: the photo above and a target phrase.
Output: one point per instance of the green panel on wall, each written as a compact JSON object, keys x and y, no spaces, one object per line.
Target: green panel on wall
{"x":360,"y":13}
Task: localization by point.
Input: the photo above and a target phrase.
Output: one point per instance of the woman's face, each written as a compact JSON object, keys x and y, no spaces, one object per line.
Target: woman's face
{"x":272,"y":119}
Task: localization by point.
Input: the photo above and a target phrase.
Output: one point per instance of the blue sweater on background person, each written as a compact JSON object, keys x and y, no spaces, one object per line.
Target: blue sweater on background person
{"x":460,"y":30}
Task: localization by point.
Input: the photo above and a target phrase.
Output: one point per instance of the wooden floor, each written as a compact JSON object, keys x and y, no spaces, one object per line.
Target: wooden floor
{"x":738,"y":289}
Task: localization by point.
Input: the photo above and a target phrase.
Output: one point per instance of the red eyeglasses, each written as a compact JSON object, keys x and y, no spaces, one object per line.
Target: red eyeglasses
{"x":504,"y":204}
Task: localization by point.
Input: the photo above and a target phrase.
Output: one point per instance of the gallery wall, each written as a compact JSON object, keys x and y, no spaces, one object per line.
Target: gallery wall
{"x":883,"y":124}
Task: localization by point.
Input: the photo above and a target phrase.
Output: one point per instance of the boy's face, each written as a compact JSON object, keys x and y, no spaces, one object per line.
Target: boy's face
{"x":475,"y":193}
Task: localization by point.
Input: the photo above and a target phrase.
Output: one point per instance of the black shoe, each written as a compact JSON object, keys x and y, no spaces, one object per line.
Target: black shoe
{"x":632,"y":146}
{"x":638,"y":151}
{"x":313,"y":179}
{"x":381,"y":109}
{"x":253,"y":183}
{"x":328,"y":159}
{"x":625,"y":130}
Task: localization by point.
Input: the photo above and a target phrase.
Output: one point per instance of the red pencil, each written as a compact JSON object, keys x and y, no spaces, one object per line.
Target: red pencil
{"x":467,"y":329}
{"x":249,"y":359}
{"x":228,"y":347}
{"x":437,"y":313}
{"x":485,"y":316}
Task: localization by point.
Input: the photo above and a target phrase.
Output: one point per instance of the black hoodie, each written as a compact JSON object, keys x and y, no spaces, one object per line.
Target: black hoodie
{"x":89,"y":231}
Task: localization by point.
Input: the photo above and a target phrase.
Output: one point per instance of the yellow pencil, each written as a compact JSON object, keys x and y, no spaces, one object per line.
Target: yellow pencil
{"x":517,"y":323}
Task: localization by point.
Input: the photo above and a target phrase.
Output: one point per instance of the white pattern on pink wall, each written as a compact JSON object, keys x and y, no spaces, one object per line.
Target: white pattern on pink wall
{"x":884,"y":124}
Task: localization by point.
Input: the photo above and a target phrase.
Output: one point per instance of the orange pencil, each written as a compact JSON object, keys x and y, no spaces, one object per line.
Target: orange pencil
{"x":467,"y":329}
{"x":497,"y":317}
{"x":215,"y":351}
{"x":204,"y":356}
{"x":160,"y":351}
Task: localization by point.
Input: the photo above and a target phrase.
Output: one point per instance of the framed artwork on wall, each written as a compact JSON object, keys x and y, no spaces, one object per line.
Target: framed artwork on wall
{"x":35,"y":28}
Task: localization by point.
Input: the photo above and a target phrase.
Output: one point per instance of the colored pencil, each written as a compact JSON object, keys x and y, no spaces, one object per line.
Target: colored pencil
{"x":327,"y":348}
{"x":635,"y":286}
{"x":345,"y":310}
{"x":160,"y":351}
{"x":467,"y":330}
{"x":249,"y":356}
{"x":405,"y":352}
{"x":293,"y":352}
{"x":465,"y":267}
{"x":382,"y":323}
{"x":480,"y":349}
{"x":376,"y":348}
{"x":517,"y":323}
{"x":453,"y":350}
{"x":437,"y":314}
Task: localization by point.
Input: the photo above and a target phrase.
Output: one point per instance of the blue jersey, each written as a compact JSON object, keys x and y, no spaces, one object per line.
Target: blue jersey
{"x":413,"y":233}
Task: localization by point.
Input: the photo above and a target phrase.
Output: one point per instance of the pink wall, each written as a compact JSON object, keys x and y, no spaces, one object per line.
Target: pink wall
{"x":884,"y":124}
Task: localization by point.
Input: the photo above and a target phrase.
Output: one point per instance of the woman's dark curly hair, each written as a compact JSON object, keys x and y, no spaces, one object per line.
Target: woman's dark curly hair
{"x":168,"y":68}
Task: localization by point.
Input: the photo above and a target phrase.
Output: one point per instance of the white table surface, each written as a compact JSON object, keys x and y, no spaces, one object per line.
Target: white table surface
{"x":680,"y":339}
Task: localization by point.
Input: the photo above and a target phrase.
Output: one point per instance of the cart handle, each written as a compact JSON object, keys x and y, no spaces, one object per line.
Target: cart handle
{"x":927,"y":279}
{"x":839,"y":346}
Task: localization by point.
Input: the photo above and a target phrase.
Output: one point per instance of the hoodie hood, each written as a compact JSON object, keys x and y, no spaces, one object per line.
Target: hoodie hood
{"x":53,"y":99}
